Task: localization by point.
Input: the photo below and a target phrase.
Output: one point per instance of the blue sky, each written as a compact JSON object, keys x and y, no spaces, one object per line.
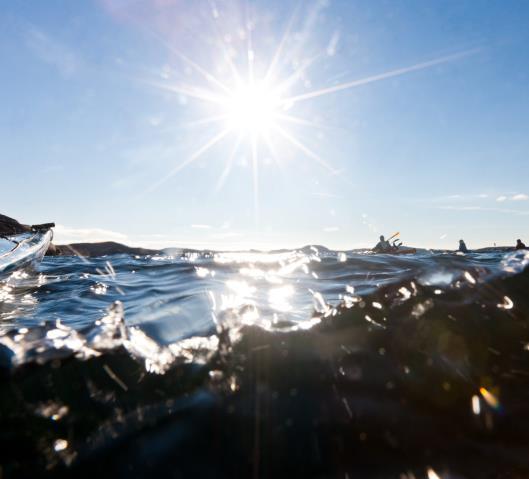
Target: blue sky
{"x":104,"y":107}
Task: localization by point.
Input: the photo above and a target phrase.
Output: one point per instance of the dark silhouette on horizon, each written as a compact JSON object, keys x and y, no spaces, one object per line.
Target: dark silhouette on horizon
{"x":520,"y":244}
{"x":462,"y":246}
{"x":382,"y":246}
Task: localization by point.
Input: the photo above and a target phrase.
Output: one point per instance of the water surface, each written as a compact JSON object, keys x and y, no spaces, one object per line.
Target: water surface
{"x":308,"y":362}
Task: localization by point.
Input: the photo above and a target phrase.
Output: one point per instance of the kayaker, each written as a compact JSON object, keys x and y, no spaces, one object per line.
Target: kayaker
{"x":383,"y":245}
{"x":520,"y":245}
{"x":462,"y":246}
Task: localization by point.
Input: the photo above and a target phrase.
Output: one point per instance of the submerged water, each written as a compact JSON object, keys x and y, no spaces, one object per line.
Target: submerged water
{"x":308,"y":362}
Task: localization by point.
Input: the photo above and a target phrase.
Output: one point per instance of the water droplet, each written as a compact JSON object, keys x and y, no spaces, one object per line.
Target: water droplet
{"x":490,"y":399}
{"x":469,"y":278}
{"x":432,"y":474}
{"x":507,"y":303}
{"x":476,"y":405}
{"x":60,"y":445}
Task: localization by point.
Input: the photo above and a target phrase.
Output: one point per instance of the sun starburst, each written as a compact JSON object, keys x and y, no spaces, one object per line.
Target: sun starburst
{"x":257,"y":110}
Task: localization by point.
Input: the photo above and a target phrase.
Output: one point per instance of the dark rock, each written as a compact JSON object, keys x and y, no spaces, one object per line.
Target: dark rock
{"x":9,"y":226}
{"x":96,"y":249}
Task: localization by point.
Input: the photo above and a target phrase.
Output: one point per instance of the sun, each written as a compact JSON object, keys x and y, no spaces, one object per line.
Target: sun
{"x":251,"y":101}
{"x":252,"y":109}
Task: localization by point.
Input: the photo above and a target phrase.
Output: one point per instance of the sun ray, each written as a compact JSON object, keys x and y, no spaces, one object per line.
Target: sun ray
{"x":255,"y":175}
{"x":229,"y":164}
{"x":197,"y":154}
{"x":272,"y":149}
{"x":298,"y":144}
{"x":190,"y":91}
{"x":250,"y":56}
{"x":294,"y":78}
{"x":207,"y":75}
{"x":275,"y":157}
{"x":381,"y":76}
{"x":281,"y":46}
{"x":310,"y":18}
{"x":192,"y":124}
{"x":204,"y":121}
{"x":231,"y":64}
{"x":298,"y":121}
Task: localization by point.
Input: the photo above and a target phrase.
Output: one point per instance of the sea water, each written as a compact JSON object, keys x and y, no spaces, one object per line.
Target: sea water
{"x":294,"y":363}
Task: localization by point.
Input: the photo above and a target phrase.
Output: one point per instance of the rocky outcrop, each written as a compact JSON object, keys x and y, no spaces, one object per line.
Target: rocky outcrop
{"x":96,"y":249}
{"x":9,"y":226}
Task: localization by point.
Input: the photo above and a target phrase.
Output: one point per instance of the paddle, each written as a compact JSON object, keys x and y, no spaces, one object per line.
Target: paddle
{"x":395,"y":246}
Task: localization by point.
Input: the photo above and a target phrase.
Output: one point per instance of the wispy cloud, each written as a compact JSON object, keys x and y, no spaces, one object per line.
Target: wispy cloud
{"x":227,"y":235}
{"x":64,"y":234}
{"x":483,"y":208}
{"x":459,"y":197}
{"x":516,"y":197}
{"x":481,"y":197}
{"x":52,"y":51}
{"x":325,"y":195}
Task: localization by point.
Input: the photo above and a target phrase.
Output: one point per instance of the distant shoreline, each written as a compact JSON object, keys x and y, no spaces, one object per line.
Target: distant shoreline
{"x":10,"y":226}
{"x":110,"y":248}
{"x":97,"y":249}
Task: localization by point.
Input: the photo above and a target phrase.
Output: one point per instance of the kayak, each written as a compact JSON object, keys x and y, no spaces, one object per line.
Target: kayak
{"x":398,"y":251}
{"x":404,"y":251}
{"x":24,"y":251}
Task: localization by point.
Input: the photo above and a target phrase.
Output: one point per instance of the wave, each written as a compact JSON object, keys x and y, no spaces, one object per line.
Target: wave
{"x":400,"y":367}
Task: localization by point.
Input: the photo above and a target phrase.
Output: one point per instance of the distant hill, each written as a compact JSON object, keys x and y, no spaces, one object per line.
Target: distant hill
{"x":97,"y":249}
{"x":110,"y":248}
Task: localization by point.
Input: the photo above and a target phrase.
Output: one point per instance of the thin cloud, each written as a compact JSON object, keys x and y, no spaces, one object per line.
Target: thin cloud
{"x":460,"y":197}
{"x":227,"y":235}
{"x":326,"y":195}
{"x":64,"y":234}
{"x":481,"y":208}
{"x":52,"y":52}
{"x":516,"y":197}
{"x":498,"y":197}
